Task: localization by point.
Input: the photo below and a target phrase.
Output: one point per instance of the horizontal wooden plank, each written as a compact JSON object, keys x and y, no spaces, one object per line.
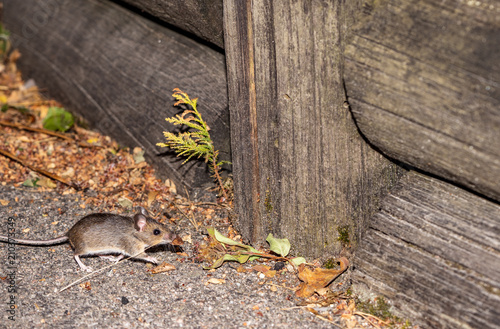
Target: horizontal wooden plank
{"x":117,"y":69}
{"x":434,"y":250}
{"x":201,"y":18}
{"x":423,"y":82}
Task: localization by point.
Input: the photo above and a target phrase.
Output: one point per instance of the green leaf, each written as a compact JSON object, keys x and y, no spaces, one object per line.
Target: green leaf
{"x":58,"y":119}
{"x":31,"y":182}
{"x":279,"y":246}
{"x":237,"y":258}
{"x":222,"y":239}
{"x":298,"y":260}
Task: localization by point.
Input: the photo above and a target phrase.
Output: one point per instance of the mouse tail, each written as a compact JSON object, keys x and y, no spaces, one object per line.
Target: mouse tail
{"x":50,"y":242}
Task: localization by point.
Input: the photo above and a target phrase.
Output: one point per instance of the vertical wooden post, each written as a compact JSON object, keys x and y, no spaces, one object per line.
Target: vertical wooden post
{"x":301,"y":170}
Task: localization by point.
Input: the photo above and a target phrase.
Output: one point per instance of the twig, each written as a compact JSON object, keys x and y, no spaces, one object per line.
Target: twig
{"x":47,"y":132}
{"x":184,"y":214}
{"x":101,"y":269}
{"x":272,"y":284}
{"x":327,"y":320}
{"x":216,"y":174}
{"x":41,"y":171}
{"x":310,"y":310}
{"x":209,"y":204}
{"x":366,"y":316}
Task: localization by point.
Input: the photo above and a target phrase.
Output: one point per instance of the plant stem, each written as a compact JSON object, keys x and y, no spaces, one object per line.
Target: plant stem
{"x":217,"y":176}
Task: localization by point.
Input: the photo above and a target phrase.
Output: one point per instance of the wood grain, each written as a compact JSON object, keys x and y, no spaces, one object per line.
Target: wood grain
{"x":117,"y":70}
{"x":434,"y":250}
{"x":423,"y":81}
{"x":301,"y":169}
{"x":200,"y":17}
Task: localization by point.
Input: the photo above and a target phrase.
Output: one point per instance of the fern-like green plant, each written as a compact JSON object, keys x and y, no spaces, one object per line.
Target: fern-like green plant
{"x":195,"y":142}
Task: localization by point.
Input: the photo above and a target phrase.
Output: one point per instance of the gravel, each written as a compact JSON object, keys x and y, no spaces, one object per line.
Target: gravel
{"x":126,"y":295}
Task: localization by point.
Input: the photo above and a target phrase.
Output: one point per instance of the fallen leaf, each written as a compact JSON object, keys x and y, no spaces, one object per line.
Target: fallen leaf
{"x":298,"y":260}
{"x":151,"y":197}
{"x":318,"y":278}
{"x":24,"y":139}
{"x":171,"y":186}
{"x":279,"y":246}
{"x":46,"y":182}
{"x":187,"y":238}
{"x":177,"y":241}
{"x":270,"y":274}
{"x":163,"y":267}
{"x":138,"y":155}
{"x":216,"y":281}
{"x":4,"y":202}
{"x":70,"y":172}
{"x":261,"y":268}
{"x":125,"y":203}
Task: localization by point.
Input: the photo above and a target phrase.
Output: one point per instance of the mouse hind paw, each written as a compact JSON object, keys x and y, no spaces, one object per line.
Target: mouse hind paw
{"x":147,"y":258}
{"x":82,"y":265}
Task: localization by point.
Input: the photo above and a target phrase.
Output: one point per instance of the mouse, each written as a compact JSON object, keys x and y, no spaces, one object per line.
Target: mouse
{"x":103,"y":234}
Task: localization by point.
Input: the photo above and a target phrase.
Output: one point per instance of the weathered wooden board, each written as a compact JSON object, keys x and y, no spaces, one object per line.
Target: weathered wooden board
{"x":117,"y":70}
{"x":200,"y":17}
{"x":423,"y":81}
{"x":434,"y":250}
{"x":301,"y":170}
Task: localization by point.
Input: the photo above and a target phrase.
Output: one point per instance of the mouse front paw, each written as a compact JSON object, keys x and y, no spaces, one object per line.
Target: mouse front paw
{"x":151,"y":260}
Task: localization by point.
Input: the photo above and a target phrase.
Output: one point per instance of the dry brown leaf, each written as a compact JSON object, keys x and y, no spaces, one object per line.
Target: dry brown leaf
{"x":152,"y":197}
{"x":187,"y":238}
{"x":261,"y":268}
{"x":4,"y":202}
{"x":163,"y":267}
{"x":177,"y":241}
{"x":45,"y":182}
{"x":216,"y":281}
{"x":318,"y":278}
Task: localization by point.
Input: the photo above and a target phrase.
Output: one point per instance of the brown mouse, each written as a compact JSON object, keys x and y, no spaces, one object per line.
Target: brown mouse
{"x":104,"y":234}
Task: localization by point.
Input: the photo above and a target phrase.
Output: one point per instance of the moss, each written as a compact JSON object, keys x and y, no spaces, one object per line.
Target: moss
{"x":267,"y":202}
{"x":381,"y":309}
{"x":330,"y":263}
{"x":343,"y":235}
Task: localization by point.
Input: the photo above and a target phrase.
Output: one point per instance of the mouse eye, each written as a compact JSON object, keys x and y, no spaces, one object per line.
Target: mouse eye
{"x":156,"y":231}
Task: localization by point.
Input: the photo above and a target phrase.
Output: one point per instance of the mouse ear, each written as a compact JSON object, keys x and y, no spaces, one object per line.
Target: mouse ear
{"x":143,"y":211}
{"x":140,"y":222}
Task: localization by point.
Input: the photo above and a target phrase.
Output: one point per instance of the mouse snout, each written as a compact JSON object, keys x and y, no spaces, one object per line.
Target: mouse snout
{"x":169,"y":236}
{"x":172,"y":238}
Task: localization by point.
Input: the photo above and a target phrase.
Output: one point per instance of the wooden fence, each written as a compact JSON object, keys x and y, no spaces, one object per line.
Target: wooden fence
{"x":381,"y":118}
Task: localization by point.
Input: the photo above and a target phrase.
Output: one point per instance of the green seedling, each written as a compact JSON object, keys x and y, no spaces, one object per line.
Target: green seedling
{"x":196,"y":142}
